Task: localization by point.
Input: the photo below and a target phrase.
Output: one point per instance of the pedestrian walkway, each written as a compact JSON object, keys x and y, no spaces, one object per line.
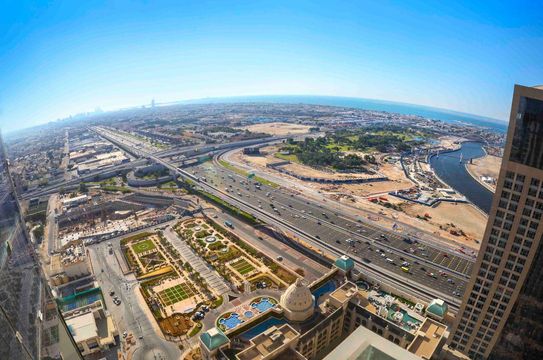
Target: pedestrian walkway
{"x":216,"y":282}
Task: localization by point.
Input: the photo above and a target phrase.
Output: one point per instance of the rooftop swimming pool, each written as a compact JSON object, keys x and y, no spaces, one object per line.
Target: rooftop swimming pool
{"x":363,"y":285}
{"x":327,"y":287}
{"x":245,"y":312}
{"x":231,"y":322}
{"x":263,"y":305}
{"x":260,"y":328}
{"x":407,"y":322}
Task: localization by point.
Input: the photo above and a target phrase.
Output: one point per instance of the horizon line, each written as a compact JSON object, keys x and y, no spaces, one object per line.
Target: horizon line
{"x":202,"y":100}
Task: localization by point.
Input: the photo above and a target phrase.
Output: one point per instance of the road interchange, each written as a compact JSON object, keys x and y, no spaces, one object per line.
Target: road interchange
{"x":424,"y":279}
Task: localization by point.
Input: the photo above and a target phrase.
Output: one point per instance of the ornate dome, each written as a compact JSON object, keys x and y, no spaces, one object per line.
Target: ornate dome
{"x":297,"y":301}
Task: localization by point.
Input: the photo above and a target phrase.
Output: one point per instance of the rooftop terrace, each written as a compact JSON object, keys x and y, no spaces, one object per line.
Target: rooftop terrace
{"x":429,"y":336}
{"x":270,"y":342}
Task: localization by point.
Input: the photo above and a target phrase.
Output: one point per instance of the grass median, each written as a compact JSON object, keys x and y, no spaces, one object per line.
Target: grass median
{"x":244,"y":173}
{"x":227,"y":206}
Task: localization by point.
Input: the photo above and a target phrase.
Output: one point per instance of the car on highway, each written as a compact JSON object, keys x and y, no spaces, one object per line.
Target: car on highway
{"x":279,"y":258}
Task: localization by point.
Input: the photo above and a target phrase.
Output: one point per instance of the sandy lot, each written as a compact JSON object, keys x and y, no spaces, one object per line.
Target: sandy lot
{"x":308,"y":171}
{"x":450,"y":216}
{"x":486,"y":166}
{"x":278,"y":128}
{"x":464,"y":216}
{"x":450,"y":142}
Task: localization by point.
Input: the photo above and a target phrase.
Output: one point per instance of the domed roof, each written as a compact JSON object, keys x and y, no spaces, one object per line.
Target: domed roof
{"x":345,"y":263}
{"x":298,"y":297}
{"x":437,"y":307}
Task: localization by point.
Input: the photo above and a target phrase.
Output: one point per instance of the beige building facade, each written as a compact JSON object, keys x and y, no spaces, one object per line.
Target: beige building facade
{"x":505,"y":292}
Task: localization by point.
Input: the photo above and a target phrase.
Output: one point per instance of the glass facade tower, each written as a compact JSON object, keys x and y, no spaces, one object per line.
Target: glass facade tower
{"x":30,"y":325}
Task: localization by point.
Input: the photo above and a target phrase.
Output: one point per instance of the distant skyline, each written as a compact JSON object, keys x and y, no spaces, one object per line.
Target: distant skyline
{"x":59,"y":59}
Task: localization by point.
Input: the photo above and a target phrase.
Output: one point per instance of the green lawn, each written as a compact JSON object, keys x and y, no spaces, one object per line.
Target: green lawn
{"x":292,"y":157}
{"x":245,"y":173}
{"x":175,"y":294}
{"x":143,"y":246}
{"x":243,"y":267}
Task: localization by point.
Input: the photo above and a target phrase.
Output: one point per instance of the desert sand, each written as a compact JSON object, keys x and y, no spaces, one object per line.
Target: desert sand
{"x":278,"y":128}
{"x":465,"y":217}
{"x":488,"y":165}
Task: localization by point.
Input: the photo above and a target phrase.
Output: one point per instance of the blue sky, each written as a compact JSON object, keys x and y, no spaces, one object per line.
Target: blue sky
{"x":62,"y":58}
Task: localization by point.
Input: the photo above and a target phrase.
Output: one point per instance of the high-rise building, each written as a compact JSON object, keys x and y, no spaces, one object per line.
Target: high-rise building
{"x":502,"y":311}
{"x":31,"y":326}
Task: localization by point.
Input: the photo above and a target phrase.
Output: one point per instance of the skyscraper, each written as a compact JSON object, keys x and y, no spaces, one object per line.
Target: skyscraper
{"x":501,"y":315}
{"x":31,"y":326}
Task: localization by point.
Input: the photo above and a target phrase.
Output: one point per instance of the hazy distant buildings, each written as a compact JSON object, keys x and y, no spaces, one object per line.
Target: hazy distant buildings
{"x":501,"y":315}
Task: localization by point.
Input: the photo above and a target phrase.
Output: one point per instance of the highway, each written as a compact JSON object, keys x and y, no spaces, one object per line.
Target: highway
{"x":423,"y":279}
{"x":188,"y":152}
{"x":369,"y":242}
{"x":446,"y":258}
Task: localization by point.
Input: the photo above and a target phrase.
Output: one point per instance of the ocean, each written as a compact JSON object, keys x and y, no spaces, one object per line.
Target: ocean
{"x":366,"y":104}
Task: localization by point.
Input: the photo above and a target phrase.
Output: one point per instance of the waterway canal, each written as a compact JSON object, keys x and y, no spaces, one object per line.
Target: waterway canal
{"x":450,"y":167}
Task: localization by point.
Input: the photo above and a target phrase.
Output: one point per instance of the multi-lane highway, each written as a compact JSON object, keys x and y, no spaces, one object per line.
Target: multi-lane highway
{"x":381,"y":254}
{"x":127,"y":145}
{"x":352,"y":236}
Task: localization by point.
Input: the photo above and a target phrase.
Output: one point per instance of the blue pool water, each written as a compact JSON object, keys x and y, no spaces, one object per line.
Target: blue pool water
{"x":260,"y":328}
{"x":362,"y":285}
{"x":323,"y":289}
{"x":263,"y":305}
{"x":231,"y":322}
{"x":248,"y":314}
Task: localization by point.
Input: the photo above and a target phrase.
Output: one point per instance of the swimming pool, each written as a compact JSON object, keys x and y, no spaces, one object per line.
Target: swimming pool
{"x":407,"y":319}
{"x":260,"y":328}
{"x":327,"y":287}
{"x":363,"y":285}
{"x":263,"y":305}
{"x":248,"y":314}
{"x":230,"y":322}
